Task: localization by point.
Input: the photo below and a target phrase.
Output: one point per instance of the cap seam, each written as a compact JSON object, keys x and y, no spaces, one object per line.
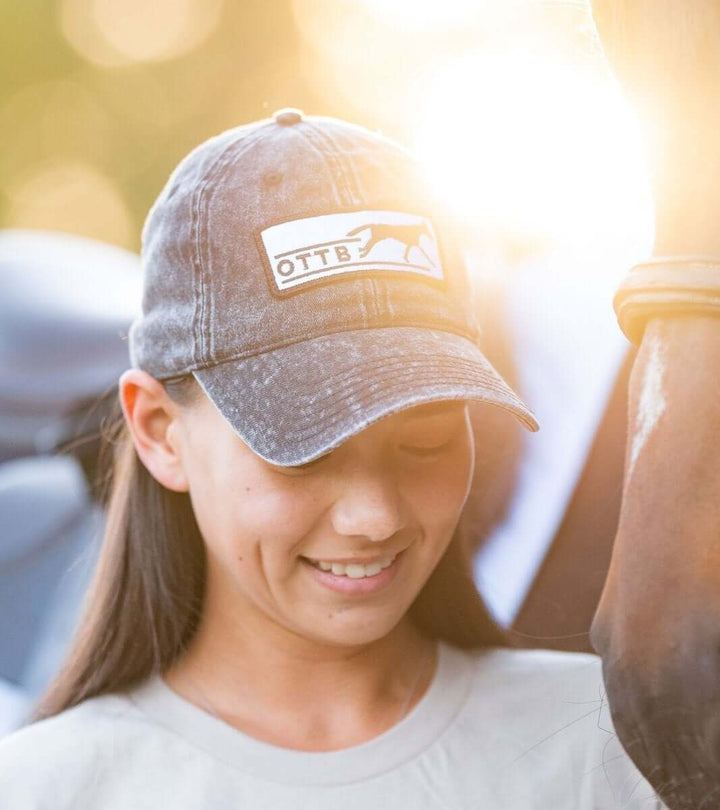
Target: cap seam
{"x":493,"y":396}
{"x":200,"y":226}
{"x":398,"y":361}
{"x":369,"y":298}
{"x":330,"y":152}
{"x":469,"y":336}
{"x":372,"y":299}
{"x":197,"y":259}
{"x":334,"y":419}
{"x":331,"y":421}
{"x":357,"y":395}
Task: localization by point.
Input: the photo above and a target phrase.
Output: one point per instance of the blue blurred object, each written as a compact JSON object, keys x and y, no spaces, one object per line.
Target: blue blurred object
{"x":65,"y":309}
{"x":66,"y":305}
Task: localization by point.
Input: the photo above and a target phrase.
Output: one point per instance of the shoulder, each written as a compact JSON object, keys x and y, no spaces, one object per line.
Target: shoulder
{"x":55,"y":762}
{"x":535,"y":670}
{"x":89,"y":718}
{"x":542,"y":718}
{"x":533,"y":693}
{"x":540,"y":669}
{"x":538,"y":686}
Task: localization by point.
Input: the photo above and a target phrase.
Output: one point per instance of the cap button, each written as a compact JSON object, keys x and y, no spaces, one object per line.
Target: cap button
{"x":288,"y":117}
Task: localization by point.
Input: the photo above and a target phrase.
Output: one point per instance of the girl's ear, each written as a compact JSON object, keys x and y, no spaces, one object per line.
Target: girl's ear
{"x":154,"y":421}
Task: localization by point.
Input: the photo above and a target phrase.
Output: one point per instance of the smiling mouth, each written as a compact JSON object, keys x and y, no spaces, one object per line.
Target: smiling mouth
{"x":352,"y":570}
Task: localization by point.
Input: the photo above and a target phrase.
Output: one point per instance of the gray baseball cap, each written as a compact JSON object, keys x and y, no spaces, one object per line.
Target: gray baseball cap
{"x":299,"y":269}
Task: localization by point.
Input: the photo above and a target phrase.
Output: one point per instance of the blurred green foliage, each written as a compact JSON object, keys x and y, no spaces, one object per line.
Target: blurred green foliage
{"x":132,"y":123}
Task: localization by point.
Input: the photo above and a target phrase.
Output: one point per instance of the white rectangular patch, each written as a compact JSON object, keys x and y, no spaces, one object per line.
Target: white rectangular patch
{"x":306,"y":250}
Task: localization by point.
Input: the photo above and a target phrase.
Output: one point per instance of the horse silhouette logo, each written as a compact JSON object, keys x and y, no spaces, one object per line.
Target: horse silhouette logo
{"x":408,"y":235}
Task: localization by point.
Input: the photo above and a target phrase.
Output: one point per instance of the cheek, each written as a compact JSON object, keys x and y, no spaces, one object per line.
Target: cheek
{"x":278,"y":518}
{"x":242,"y":514}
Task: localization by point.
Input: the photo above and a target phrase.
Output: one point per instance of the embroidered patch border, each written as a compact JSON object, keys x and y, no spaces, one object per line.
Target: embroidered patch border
{"x":303,"y":251}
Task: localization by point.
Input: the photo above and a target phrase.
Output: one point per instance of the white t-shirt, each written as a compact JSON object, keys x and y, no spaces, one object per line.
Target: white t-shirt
{"x":496,"y":729}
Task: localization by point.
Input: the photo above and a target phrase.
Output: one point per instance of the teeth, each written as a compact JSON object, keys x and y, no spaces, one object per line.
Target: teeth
{"x":354,"y":570}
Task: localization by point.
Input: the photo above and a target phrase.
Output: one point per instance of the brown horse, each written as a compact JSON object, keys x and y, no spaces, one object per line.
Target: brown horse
{"x":658,"y":623}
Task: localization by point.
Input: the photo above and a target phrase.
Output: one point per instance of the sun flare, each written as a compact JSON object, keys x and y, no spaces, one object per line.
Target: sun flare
{"x":532,"y":145}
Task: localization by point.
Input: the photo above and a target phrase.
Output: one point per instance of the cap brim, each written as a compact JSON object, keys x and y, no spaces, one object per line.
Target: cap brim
{"x":298,"y":402}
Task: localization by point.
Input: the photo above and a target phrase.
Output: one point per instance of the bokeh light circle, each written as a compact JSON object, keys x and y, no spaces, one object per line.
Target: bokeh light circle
{"x":112,"y":33}
{"x":70,"y":196}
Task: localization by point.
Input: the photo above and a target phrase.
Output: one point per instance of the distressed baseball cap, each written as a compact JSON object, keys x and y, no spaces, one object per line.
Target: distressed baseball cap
{"x":300,"y":270}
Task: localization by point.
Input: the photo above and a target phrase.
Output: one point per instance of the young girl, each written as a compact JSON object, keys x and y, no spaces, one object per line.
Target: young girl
{"x":283,"y":614}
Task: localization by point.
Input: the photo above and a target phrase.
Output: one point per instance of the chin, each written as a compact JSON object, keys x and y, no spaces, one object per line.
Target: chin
{"x":344,"y":627}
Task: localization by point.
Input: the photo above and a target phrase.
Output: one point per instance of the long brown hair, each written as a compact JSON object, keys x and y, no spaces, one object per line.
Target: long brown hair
{"x":146,"y":597}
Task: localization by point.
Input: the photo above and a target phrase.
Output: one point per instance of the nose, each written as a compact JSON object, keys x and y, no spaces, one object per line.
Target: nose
{"x":369,"y":504}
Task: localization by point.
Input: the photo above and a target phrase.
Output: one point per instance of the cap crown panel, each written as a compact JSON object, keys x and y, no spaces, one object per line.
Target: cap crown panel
{"x":210,"y":293}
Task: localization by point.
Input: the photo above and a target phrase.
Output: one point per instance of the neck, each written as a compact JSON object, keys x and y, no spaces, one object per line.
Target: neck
{"x":298,"y":693}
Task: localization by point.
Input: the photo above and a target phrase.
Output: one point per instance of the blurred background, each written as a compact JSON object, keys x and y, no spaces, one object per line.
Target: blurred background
{"x":509,"y":104}
{"x":524,"y":135}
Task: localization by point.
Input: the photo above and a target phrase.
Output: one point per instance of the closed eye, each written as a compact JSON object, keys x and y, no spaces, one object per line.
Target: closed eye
{"x":425,"y":451}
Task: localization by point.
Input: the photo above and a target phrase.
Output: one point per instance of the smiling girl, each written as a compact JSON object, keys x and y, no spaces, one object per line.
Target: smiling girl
{"x":283,"y":614}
